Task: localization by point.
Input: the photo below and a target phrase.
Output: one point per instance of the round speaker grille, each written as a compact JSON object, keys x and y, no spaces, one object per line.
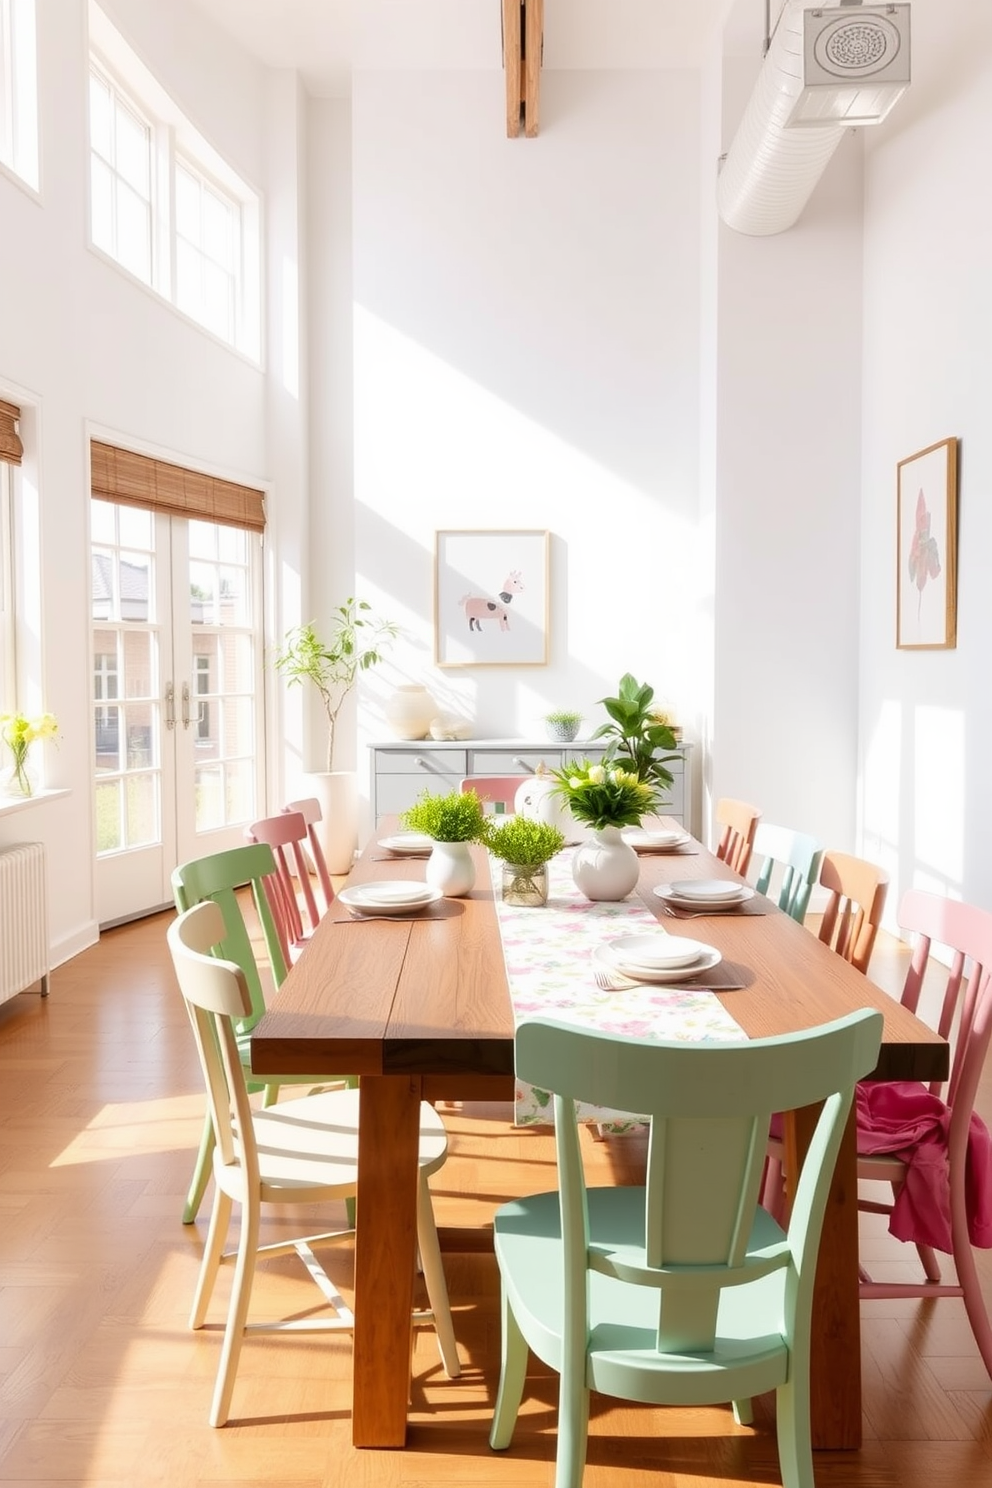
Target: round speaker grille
{"x":857,"y":47}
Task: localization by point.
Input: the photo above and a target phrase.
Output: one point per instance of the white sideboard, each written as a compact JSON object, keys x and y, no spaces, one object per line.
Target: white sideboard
{"x":402,"y":769}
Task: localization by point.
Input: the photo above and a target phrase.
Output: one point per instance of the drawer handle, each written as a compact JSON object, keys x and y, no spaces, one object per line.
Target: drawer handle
{"x":527,"y":769}
{"x":427,"y":765}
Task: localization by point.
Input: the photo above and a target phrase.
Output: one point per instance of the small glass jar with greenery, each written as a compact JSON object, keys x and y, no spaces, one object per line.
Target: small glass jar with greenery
{"x":524,"y":846}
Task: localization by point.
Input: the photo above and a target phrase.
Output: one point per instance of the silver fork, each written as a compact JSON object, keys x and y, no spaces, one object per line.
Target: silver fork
{"x":611,"y":981}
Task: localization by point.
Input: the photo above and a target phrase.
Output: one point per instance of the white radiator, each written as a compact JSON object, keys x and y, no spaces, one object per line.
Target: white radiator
{"x":23,"y":919}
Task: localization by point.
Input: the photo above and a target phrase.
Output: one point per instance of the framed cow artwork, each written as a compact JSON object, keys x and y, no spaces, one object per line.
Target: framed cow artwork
{"x":491,"y":598}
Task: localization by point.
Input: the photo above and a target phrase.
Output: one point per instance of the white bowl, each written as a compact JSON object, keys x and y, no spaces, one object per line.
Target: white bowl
{"x":657,"y":952}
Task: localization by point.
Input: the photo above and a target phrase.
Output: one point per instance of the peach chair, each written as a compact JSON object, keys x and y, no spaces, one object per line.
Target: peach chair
{"x":495,"y":791}
{"x":738,"y":823}
{"x":964,"y":1018}
{"x":309,"y":809}
{"x":286,"y":834}
{"x":853,"y":914}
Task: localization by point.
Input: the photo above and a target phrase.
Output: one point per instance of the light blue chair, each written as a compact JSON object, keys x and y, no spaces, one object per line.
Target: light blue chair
{"x":684,"y":1292}
{"x":793,"y":855}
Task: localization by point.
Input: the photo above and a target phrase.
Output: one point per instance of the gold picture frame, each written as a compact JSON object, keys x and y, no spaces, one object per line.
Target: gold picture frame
{"x":491,"y":597}
{"x":927,"y":548}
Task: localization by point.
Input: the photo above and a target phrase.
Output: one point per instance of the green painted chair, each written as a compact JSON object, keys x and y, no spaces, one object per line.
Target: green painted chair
{"x":684,"y":1292}
{"x":793,"y":858}
{"x":219,"y":877}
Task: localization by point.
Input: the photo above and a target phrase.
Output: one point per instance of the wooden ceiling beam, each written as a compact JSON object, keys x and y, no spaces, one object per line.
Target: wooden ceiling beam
{"x":523,"y":44}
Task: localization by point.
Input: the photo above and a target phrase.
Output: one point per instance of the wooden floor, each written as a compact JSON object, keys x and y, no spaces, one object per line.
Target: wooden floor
{"x":101,"y":1383}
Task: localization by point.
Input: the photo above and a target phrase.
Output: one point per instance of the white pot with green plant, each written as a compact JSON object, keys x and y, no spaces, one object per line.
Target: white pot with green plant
{"x":562,"y":725}
{"x":355,"y":642}
{"x":524,"y":846}
{"x":454,"y":821}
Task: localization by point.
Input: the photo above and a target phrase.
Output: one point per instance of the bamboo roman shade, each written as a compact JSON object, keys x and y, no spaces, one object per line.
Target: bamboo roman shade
{"x":135,"y":480}
{"x":11,"y":448}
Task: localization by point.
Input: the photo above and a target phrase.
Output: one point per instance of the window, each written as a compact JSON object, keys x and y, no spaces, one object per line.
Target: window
{"x":19,"y":90}
{"x":163,"y":204}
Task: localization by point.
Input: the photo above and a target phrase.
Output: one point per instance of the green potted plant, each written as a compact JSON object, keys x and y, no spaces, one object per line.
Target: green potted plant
{"x":639,"y":733}
{"x":605,"y":797}
{"x":524,"y":847}
{"x":562,"y":725}
{"x":454,"y":821}
{"x":355,"y":641}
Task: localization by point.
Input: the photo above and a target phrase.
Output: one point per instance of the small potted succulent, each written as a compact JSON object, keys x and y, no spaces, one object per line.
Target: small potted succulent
{"x":454,"y":821}
{"x":524,"y":846}
{"x":562,"y":725}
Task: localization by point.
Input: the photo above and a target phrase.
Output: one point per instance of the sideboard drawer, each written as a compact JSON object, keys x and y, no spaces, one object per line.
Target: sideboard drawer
{"x":426,"y":762}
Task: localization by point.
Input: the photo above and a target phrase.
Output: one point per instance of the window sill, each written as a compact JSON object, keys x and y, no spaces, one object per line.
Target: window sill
{"x":11,"y":804}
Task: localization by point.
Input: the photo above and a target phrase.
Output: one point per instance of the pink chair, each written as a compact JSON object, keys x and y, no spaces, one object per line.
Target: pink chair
{"x":495,"y":790}
{"x":287,"y":836}
{"x":965,"y":1020}
{"x":310,"y":810}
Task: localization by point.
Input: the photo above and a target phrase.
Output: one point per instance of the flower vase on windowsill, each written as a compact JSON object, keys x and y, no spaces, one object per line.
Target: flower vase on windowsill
{"x":18,"y":777}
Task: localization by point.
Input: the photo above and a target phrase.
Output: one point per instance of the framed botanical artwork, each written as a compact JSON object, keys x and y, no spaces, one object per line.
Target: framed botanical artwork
{"x":927,"y":544}
{"x":491,"y":598}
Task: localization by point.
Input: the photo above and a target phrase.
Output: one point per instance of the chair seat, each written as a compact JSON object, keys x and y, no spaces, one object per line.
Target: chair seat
{"x":311,"y":1144}
{"x":623,"y":1357}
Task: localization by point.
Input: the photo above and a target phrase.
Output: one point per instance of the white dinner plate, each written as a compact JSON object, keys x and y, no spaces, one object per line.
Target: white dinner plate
{"x":407,"y":842}
{"x":642,"y":840}
{"x":676,"y":894}
{"x":389,"y":898}
{"x":655,"y":952}
{"x":655,"y":975}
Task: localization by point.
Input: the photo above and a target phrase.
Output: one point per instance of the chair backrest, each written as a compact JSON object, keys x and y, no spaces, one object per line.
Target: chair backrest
{"x":793,"y":858}
{"x":217,"y":999}
{"x":496,"y":792}
{"x":737,"y":822}
{"x":964,"y":1016}
{"x":853,"y":913}
{"x":287,"y":835}
{"x":709,"y":1105}
{"x":218,"y":877}
{"x":309,"y":809}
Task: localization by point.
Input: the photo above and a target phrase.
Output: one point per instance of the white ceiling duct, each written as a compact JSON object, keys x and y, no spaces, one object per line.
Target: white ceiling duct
{"x":843,"y":64}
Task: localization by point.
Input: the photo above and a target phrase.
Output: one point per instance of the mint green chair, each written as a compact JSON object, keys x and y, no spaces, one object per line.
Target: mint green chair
{"x":796,"y":858}
{"x":220,"y":877}
{"x":684,"y":1292}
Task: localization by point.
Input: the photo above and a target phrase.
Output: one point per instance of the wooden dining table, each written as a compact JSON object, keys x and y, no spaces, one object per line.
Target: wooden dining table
{"x":420,"y":1009}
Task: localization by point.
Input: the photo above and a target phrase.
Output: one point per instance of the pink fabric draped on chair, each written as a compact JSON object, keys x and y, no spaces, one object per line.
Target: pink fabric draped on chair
{"x":903,"y":1118}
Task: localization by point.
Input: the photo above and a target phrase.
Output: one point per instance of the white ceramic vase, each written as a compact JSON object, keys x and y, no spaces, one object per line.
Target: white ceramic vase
{"x":337,"y":792}
{"x":451,"y":868}
{"x":410,"y":711}
{"x":605,"y":867}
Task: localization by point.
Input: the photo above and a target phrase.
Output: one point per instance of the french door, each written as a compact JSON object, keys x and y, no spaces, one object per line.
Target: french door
{"x":176,"y":668}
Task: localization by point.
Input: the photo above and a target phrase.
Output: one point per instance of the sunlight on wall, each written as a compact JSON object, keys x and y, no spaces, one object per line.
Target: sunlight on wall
{"x":290,"y":328}
{"x":881,"y":787}
{"x":435,"y":449}
{"x":937,"y":816}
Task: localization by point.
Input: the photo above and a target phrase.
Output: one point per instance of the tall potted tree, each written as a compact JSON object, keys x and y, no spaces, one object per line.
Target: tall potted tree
{"x":356,"y":641}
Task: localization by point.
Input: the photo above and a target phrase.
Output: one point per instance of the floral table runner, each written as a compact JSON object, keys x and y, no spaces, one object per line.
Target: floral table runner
{"x":549,"y":969}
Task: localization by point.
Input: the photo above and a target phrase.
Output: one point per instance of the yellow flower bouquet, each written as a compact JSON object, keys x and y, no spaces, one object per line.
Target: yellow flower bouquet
{"x":19,"y":732}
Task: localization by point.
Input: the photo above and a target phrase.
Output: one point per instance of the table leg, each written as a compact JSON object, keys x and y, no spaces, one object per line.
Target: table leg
{"x":835,"y":1364}
{"x":385,"y":1257}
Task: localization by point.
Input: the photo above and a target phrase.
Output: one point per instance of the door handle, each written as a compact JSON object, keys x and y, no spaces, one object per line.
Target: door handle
{"x":170,"y":706}
{"x":185,"y":705}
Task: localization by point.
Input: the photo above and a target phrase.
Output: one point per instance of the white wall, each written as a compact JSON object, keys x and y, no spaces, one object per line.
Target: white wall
{"x":926,"y":716}
{"x":526,"y":356}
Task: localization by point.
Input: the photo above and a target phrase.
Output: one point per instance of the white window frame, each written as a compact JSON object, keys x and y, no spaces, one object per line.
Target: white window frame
{"x":19,"y":90}
{"x":122,"y":99}
{"x":8,"y":608}
{"x":174,"y":137}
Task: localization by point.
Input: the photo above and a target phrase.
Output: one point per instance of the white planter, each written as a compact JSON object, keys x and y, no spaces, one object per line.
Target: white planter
{"x":606,"y":867}
{"x":337,"y":792}
{"x":451,"y":868}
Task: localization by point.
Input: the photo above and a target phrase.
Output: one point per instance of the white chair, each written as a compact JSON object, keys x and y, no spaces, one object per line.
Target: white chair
{"x":301,"y":1152}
